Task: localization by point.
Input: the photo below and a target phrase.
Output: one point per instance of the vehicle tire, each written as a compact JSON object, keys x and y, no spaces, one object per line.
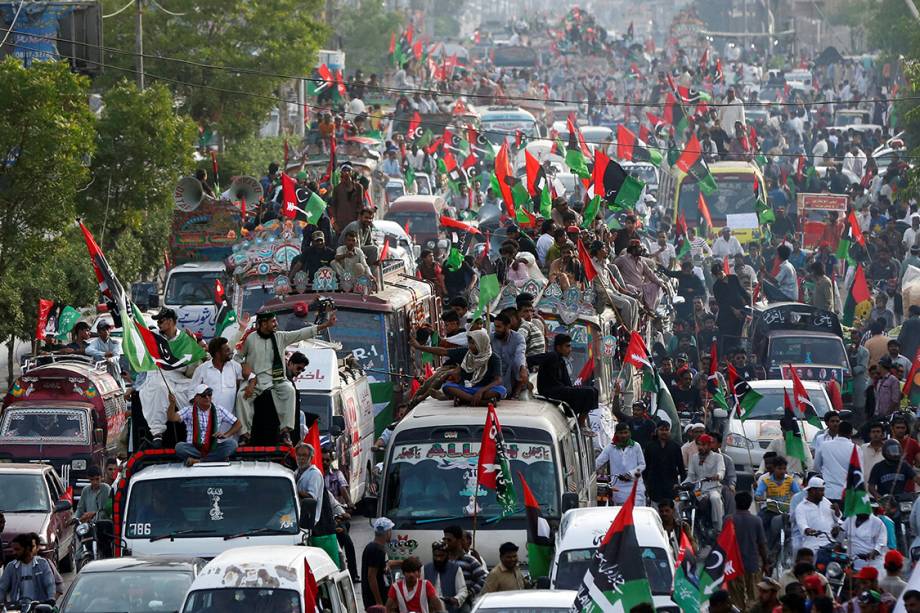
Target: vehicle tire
{"x":67,"y":563}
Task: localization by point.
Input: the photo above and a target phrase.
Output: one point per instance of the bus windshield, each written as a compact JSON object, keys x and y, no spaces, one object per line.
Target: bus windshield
{"x":188,"y":288}
{"x":434,"y":481}
{"x":807,"y":350}
{"x":210,"y":506}
{"x":363,"y":333}
{"x":735,"y":196}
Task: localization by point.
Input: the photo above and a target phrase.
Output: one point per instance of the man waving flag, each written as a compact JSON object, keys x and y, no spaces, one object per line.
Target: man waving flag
{"x":616,"y":580}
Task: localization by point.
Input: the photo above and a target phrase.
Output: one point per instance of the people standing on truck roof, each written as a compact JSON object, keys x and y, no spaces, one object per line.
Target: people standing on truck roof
{"x":155,"y":389}
{"x":209,"y":428}
{"x":347,"y":199}
{"x":221,"y":374}
{"x":363,"y":228}
{"x":262,"y":354}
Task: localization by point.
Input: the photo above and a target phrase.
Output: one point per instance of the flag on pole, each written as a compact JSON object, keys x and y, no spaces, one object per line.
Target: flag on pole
{"x":859,"y":293}
{"x":704,"y":213}
{"x":44,"y":310}
{"x":539,"y":534}
{"x":226,"y":315}
{"x":855,"y":497}
{"x":636,"y":352}
{"x":795,"y":446}
{"x":585,"y":258}
{"x":109,"y":286}
{"x":133,"y":345}
{"x":502,"y":174}
{"x":616,"y":580}
{"x":493,"y":471}
{"x":691,"y":162}
{"x":312,"y":438}
{"x":802,"y":400}
{"x":724,"y":561}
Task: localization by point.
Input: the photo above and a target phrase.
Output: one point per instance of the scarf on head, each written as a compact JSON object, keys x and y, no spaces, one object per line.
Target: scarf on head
{"x":205,"y":446}
{"x":477,"y":364}
{"x":277,"y":362}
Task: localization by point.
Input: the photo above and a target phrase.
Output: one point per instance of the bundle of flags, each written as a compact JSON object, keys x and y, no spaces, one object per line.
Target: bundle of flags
{"x":401,"y":49}
{"x":722,"y":565}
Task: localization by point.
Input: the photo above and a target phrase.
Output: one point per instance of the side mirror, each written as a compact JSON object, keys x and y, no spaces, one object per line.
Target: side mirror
{"x":569,"y":501}
{"x":98,"y":436}
{"x":416,"y":251}
{"x":720,"y":413}
{"x":62,"y":505}
{"x":307,"y":513}
{"x":542,"y":583}
{"x":338,"y":425}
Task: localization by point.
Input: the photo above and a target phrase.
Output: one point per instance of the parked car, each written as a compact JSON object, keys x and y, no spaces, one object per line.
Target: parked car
{"x":132,"y":584}
{"x":34,"y":501}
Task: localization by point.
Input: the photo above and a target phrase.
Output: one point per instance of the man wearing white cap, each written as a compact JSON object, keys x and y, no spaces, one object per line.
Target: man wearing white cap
{"x":815,"y":517}
{"x":374,"y":564}
{"x":208,"y":427}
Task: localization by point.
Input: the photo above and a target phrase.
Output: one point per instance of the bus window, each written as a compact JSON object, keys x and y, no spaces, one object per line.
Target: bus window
{"x":735,"y":195}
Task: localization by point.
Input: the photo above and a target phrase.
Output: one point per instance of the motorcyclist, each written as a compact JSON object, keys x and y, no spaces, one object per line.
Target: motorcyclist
{"x":779,"y":487}
{"x":867,"y":538}
{"x":815,"y":517}
{"x":890,"y":476}
{"x":708,"y":468}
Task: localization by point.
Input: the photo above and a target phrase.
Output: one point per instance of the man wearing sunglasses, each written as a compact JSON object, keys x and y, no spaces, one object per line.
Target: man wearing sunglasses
{"x":208,"y":427}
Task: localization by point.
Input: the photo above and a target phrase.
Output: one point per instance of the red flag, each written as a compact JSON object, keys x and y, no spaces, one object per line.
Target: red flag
{"x":68,"y":494}
{"x":690,"y":155}
{"x":704,"y":60}
{"x":685,"y":547}
{"x":713,"y":359}
{"x":854,"y":229}
{"x":429,"y":371}
{"x":414,"y":386}
{"x":469,"y":161}
{"x":644,"y":133}
{"x":626,"y":142}
{"x":601,"y":161}
{"x":214,"y":166}
{"x":532,"y":167}
{"x":385,"y":251}
{"x":860,"y":288}
{"x":417,"y":49}
{"x":219,"y":293}
{"x":44,"y":309}
{"x":340,"y":83}
{"x":728,"y":541}
{"x":586,"y":371}
{"x":704,"y":211}
{"x":392,"y":49}
{"x":502,"y":173}
{"x":833,"y":392}
{"x":310,"y":589}
{"x":288,"y":195}
{"x":802,"y":401}
{"x":324,"y":73}
{"x":486,"y":474}
{"x":312,"y":439}
{"x":455,"y":224}
{"x":414,"y":123}
{"x":725,"y":267}
{"x":637,"y":352}
{"x":585,"y":259}
{"x":680,"y":228}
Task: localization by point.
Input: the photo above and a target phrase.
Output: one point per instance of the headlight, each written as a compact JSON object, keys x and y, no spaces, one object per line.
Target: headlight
{"x":741,"y":442}
{"x":82,"y":529}
{"x":78,"y":465}
{"x":834,"y":571}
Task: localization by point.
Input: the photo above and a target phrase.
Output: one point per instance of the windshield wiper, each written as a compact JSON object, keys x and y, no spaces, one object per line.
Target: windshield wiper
{"x":179,"y":533}
{"x":254,"y":532}
{"x":24,"y":511}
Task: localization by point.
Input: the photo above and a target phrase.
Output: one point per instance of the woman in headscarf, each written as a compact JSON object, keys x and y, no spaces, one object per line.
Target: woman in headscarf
{"x":478,"y":378}
{"x":524,"y":269}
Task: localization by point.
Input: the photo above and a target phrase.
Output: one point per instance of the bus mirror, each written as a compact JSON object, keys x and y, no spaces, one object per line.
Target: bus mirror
{"x":569,"y":501}
{"x":307,"y":513}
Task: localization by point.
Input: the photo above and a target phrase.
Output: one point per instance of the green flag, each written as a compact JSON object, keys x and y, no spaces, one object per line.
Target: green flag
{"x":454,"y":259}
{"x":591,"y":212}
{"x":132,"y":344}
{"x":519,"y":194}
{"x":66,"y":321}
{"x":795,"y":446}
{"x":686,"y":586}
{"x":747,"y":402}
{"x":546,"y":203}
{"x":575,"y":160}
{"x":187,"y":349}
{"x":764,"y":212}
{"x":539,"y":537}
{"x":649,"y":381}
{"x":410,"y":176}
{"x":314,"y":208}
{"x":434,"y":341}
{"x":382,"y":398}
{"x":228,"y":318}
{"x":488,"y":291}
{"x":629,"y":192}
{"x":719,"y":399}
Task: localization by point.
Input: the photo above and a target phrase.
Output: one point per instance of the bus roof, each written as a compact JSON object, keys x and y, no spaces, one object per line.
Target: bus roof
{"x":733,"y":167}
{"x":538,"y":414}
{"x":178,"y":470}
{"x":396,"y":293}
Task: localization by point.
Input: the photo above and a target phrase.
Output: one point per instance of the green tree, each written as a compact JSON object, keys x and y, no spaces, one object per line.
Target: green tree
{"x":249,"y":156}
{"x":143,"y":146}
{"x":892,"y":29}
{"x":364,"y":34}
{"x":46,"y":134}
{"x":263,"y":37}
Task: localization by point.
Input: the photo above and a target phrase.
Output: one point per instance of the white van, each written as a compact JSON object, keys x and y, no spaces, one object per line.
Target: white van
{"x":581,"y":531}
{"x":199,"y":511}
{"x":248,"y":579}
{"x":429,"y":474}
{"x":190,"y":293}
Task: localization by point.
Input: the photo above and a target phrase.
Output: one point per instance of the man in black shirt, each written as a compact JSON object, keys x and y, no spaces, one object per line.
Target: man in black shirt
{"x":314,"y":257}
{"x":641,"y":426}
{"x":554,"y":381}
{"x":374,"y":565}
{"x":689,"y":286}
{"x":525,"y":243}
{"x":664,"y":464}
{"x":732,"y":299}
{"x":890,"y":476}
{"x":686,"y":397}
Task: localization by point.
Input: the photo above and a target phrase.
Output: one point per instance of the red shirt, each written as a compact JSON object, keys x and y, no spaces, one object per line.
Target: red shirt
{"x":910,"y":448}
{"x":412,"y":598}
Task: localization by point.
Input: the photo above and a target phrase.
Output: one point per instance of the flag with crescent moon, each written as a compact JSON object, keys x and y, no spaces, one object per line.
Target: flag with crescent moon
{"x":723,"y":563}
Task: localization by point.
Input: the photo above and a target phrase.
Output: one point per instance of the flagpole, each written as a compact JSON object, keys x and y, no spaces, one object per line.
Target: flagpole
{"x":475,"y":512}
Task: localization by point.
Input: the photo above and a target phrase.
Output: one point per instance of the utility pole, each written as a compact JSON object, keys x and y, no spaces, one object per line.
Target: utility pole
{"x":139,"y":42}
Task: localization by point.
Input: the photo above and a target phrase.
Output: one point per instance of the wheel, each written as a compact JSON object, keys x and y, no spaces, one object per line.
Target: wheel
{"x":66,"y":564}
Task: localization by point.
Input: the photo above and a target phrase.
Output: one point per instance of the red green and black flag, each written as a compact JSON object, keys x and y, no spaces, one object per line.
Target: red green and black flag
{"x":226,"y":315}
{"x":537,"y":185}
{"x":634,"y":149}
{"x":686,"y":584}
{"x":502,"y":178}
{"x":109,"y":286}
{"x":616,"y":579}
{"x":539,"y":534}
{"x":851,"y":234}
{"x":723,"y":563}
{"x":575,"y":157}
{"x":859,"y":293}
{"x":681,"y":242}
{"x":674,"y":114}
{"x":855,"y":497}
{"x":613,"y":184}
{"x":795,"y":445}
{"x":494,"y":469}
{"x":691,"y":162}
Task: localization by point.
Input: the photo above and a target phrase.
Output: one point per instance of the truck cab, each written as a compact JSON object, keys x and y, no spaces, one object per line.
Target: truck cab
{"x":65,"y":411}
{"x":165,"y":508}
{"x":190,"y":293}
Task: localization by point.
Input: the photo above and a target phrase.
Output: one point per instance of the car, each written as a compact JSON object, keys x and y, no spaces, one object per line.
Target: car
{"x":401,"y":245}
{"x":847,"y":117}
{"x":745,"y":441}
{"x":34,"y":501}
{"x":132,"y":584}
{"x":580,"y":530}
{"x":527,"y":601}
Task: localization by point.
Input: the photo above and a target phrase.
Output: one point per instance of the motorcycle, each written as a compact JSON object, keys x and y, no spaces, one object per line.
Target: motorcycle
{"x":833,"y":561}
{"x":694,"y":508}
{"x":27,"y":605}
{"x":89,"y":547}
{"x":783,"y":554}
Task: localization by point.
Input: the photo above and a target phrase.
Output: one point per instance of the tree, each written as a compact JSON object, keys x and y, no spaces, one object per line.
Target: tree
{"x":143,"y":147}
{"x":261,"y":37}
{"x":364,"y":34}
{"x":46,"y":134}
{"x":892,"y":29}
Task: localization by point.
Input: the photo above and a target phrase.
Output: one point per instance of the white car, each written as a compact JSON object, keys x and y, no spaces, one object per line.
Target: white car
{"x":401,"y":245}
{"x":527,"y":601}
{"x":746,"y":441}
{"x":580,"y":531}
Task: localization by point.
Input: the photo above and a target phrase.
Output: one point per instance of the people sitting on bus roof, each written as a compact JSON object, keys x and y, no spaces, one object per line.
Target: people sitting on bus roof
{"x":555,"y":382}
{"x":478,"y":378}
{"x":210,"y":428}
{"x":349,"y":260}
{"x":315,"y":256}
